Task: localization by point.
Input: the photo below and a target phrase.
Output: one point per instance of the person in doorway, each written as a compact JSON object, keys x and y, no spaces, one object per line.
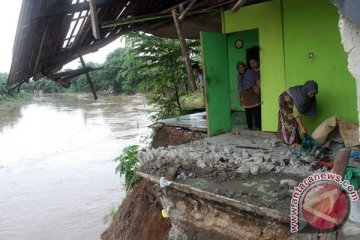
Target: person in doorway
{"x":200,"y":75}
{"x":254,"y":65}
{"x":292,"y":103}
{"x":248,"y":85}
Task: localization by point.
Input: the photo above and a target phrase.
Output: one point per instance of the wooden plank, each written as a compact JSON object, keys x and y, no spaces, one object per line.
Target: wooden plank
{"x":91,"y":85}
{"x":184,"y":50}
{"x":94,"y":19}
{"x":341,"y":161}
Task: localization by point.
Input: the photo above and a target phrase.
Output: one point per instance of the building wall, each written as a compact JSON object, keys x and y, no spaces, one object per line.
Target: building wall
{"x":266,"y":17}
{"x":312,"y":27}
{"x":350,"y":35}
{"x":290,"y":30}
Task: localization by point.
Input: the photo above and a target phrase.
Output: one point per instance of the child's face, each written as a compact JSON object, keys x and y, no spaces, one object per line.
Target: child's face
{"x":253,"y":64}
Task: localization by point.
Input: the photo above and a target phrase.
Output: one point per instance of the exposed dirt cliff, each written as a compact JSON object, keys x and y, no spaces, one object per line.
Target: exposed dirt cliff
{"x":139,"y":217}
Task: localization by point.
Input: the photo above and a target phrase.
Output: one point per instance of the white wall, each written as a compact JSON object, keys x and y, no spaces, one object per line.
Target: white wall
{"x":350,"y":35}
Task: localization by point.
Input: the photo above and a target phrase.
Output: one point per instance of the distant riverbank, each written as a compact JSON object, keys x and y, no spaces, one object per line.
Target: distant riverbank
{"x":9,"y":102}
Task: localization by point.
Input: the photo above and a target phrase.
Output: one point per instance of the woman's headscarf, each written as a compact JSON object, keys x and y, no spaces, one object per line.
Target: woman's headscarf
{"x":303,"y":102}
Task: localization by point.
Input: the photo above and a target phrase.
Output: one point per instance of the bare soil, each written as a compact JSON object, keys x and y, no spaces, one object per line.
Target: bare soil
{"x":139,"y":218}
{"x":168,"y":135}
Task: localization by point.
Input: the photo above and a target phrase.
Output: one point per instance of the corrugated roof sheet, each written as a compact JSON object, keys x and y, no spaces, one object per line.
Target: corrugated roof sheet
{"x":52,"y":33}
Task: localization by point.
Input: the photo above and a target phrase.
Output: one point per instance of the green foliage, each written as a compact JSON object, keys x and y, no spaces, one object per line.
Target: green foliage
{"x":127,"y":165}
{"x":120,"y":73}
{"x":45,"y":85}
{"x":163,"y":70}
{"x":8,"y":99}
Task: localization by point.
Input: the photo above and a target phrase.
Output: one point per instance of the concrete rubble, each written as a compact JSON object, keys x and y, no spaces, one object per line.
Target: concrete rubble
{"x":189,"y":160}
{"x":213,"y":173}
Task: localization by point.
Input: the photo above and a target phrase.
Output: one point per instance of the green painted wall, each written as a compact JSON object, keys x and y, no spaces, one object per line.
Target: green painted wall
{"x":250,"y":39}
{"x":312,"y":26}
{"x":214,"y":48}
{"x":267,"y":18}
{"x":288,"y":31}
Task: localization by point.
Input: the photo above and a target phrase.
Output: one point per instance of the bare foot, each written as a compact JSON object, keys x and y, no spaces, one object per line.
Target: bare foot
{"x":295,"y":145}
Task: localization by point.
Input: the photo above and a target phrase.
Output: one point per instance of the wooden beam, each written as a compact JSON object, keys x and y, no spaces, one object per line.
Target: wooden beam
{"x":174,"y":7}
{"x":238,"y":5}
{"x":74,"y":73}
{"x":94,"y":19}
{"x":187,"y":9}
{"x":148,"y":17}
{"x":91,"y":85}
{"x":341,"y":161}
{"x":185,"y":51}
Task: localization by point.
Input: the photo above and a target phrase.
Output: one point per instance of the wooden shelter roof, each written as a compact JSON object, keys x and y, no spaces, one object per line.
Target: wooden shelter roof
{"x":52,"y":33}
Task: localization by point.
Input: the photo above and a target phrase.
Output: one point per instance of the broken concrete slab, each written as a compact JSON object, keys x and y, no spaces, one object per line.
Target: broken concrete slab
{"x":288,"y":183}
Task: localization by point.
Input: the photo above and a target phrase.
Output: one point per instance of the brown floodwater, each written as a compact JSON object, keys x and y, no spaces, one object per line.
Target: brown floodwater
{"x":57,"y":175}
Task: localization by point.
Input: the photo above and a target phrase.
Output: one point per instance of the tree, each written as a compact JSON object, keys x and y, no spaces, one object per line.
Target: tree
{"x":118,"y":74}
{"x":163,"y":69}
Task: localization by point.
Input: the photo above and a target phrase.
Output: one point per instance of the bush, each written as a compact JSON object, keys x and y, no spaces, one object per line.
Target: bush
{"x":127,"y":165}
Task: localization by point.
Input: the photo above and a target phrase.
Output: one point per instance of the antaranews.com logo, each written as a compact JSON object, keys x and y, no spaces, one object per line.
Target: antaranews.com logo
{"x":321,"y":202}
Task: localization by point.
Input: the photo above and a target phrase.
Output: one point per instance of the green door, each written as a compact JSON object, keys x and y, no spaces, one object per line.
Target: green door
{"x":216,"y":72}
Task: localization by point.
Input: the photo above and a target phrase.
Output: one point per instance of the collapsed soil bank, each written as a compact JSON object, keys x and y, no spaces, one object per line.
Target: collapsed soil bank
{"x":139,"y":217}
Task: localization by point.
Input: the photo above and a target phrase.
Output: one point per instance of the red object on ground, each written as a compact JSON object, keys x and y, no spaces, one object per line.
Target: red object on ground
{"x":328,"y":165}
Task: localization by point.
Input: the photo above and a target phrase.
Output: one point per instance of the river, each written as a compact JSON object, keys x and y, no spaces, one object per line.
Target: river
{"x":57,"y":175}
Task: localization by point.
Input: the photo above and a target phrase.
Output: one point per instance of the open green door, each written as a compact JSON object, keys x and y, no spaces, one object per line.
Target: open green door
{"x":216,"y":72}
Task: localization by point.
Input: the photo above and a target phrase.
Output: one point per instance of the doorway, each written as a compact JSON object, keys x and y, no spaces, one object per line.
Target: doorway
{"x":242,"y":46}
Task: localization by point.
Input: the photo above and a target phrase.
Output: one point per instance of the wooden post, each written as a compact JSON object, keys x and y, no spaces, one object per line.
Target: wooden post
{"x":183,"y":13}
{"x":94,"y":19}
{"x":19,"y":88}
{"x":238,"y":5}
{"x":91,"y":85}
{"x":184,"y":50}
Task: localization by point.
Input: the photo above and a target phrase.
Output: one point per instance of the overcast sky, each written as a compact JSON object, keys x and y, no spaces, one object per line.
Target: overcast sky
{"x":8,"y":23}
